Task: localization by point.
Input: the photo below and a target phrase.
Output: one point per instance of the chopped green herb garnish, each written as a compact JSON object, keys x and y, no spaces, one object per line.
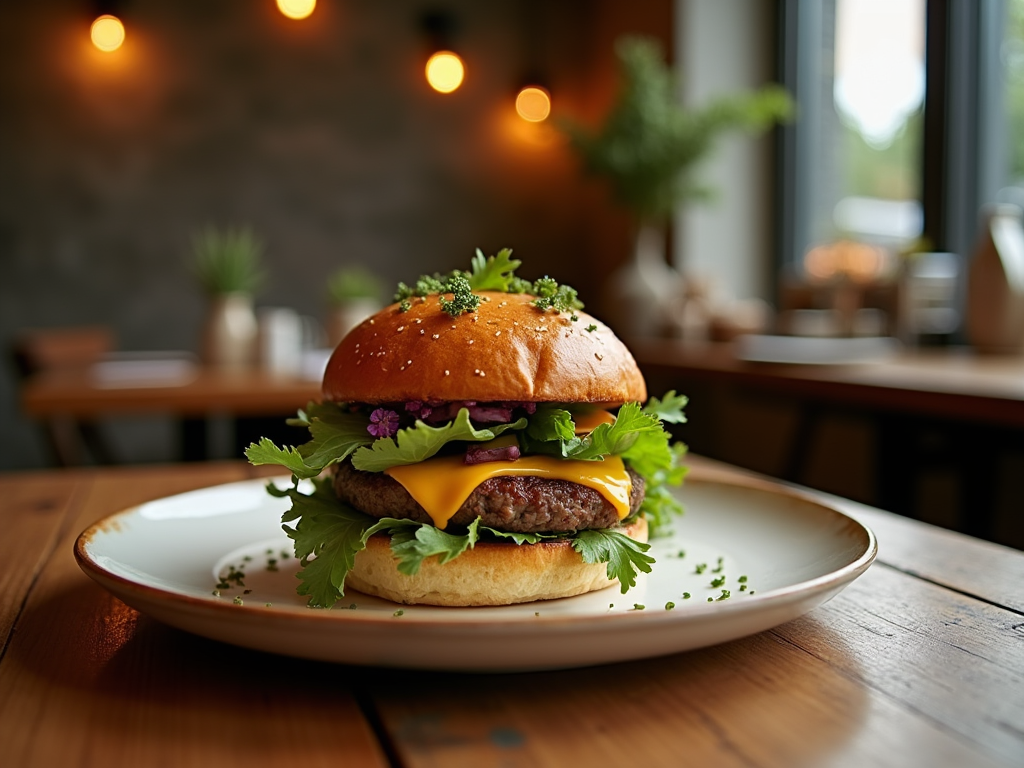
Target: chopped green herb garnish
{"x":551,"y":295}
{"x":638,"y":607}
{"x":669,"y":605}
{"x":681,"y":553}
{"x":742,"y":579}
{"x":718,"y":568}
{"x":268,"y":604}
{"x":717,"y":582}
{"x":701,"y":567}
{"x":686,"y":595}
{"x":404,"y":305}
{"x":237,"y":600}
{"x":463,"y":299}
{"x":216,"y":593}
{"x":591,"y":328}
{"x":743,"y":587}
{"x":726,"y":594}
{"x":398,"y":613}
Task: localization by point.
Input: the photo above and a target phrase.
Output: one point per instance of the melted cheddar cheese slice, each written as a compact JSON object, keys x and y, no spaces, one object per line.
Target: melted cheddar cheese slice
{"x":588,"y":421}
{"x":441,"y":485}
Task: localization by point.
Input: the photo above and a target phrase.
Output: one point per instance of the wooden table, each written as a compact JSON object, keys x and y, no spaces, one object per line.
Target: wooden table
{"x":257,"y":400}
{"x":920,"y":662}
{"x":975,"y":400}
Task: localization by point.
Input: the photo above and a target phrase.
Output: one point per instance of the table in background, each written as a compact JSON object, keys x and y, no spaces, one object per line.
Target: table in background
{"x":978,"y":400}
{"x":920,"y":662}
{"x":257,"y":400}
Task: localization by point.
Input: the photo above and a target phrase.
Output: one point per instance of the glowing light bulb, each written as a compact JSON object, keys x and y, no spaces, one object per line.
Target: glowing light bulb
{"x":296,"y":9}
{"x":445,"y":71}
{"x":533,"y":104}
{"x":107,"y":33}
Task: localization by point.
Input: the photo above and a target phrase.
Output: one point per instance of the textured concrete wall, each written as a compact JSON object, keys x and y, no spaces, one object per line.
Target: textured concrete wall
{"x":320,"y":134}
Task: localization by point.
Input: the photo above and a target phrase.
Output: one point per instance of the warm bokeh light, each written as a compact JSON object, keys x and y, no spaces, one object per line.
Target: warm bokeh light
{"x":107,"y":33}
{"x":296,"y":9}
{"x":859,"y":262}
{"x":445,"y":71}
{"x":533,"y":104}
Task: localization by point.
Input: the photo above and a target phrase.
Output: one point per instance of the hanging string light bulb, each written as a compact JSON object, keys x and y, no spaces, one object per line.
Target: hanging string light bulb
{"x":296,"y":9}
{"x":533,"y":103}
{"x":445,"y":70}
{"x":107,"y":33}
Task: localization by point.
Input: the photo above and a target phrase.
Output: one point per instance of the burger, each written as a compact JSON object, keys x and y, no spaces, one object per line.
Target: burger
{"x":481,"y":441}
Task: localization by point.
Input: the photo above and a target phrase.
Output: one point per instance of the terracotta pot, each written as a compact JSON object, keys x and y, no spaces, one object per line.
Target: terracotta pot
{"x":229,"y":336}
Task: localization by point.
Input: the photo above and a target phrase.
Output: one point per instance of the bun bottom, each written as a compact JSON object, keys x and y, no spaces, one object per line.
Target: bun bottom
{"x":488,"y":574}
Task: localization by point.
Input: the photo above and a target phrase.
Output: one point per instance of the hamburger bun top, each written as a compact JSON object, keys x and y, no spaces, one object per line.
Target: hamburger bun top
{"x":506,"y":350}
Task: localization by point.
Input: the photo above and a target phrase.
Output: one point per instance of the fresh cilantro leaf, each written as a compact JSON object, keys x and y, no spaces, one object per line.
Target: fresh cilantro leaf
{"x":336,"y":433}
{"x":327,"y":538}
{"x":669,"y":408}
{"x":265,"y":452}
{"x":660,"y":464}
{"x":421,"y":441}
{"x":613,"y":439}
{"x":413,"y":542}
{"x":624,"y":556}
{"x":533,"y":537}
{"x":492,"y":273}
{"x":551,"y":422}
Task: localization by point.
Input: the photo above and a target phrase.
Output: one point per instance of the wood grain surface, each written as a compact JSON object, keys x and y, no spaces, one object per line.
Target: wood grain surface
{"x":920,"y":662}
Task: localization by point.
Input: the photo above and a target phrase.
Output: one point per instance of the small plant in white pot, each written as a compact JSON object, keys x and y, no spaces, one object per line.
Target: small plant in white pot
{"x":228,"y":265}
{"x":354,"y":294}
{"x":649,"y":149}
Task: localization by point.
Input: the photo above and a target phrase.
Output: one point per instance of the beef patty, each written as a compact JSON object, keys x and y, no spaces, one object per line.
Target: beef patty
{"x":516,"y":504}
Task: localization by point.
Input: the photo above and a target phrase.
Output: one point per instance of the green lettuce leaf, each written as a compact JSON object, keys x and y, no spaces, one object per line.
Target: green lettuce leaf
{"x":624,"y":556}
{"x":418,"y":443}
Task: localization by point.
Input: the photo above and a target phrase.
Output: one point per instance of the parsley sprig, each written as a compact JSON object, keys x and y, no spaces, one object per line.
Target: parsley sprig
{"x":488,"y":273}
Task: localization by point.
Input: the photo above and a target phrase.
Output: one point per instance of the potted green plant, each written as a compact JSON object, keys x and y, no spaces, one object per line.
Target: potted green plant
{"x":354,"y":293}
{"x":228,"y":265}
{"x":648,"y":149}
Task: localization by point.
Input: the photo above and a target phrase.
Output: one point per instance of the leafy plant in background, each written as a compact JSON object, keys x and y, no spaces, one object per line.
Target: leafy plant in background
{"x":650,"y":143}
{"x":349,"y":284}
{"x":228,"y":261}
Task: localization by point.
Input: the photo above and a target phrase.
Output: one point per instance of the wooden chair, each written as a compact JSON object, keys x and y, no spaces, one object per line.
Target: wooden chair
{"x":34,"y":351}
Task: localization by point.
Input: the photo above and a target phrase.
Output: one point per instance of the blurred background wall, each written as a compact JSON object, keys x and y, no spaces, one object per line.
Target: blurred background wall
{"x":321,"y":134}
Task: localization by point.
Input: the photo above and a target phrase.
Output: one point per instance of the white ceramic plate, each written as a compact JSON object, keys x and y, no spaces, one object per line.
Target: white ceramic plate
{"x":164,"y":559}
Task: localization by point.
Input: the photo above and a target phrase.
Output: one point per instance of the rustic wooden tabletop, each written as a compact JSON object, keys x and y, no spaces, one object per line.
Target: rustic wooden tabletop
{"x":918,"y":662}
